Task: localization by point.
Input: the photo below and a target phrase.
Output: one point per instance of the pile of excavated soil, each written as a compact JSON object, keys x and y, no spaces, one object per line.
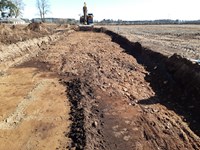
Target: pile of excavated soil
{"x":4,"y":30}
{"x":17,"y":33}
{"x":37,"y":27}
{"x":9,"y":34}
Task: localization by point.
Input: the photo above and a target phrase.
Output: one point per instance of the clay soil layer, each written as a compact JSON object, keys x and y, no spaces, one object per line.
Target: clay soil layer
{"x":85,"y":91}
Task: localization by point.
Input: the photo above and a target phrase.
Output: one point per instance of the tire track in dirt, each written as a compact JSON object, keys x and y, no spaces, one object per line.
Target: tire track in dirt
{"x":34,"y":109}
{"x":13,"y":120}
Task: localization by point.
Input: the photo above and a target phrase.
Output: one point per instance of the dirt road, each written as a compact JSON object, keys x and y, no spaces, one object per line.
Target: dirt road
{"x":85,"y":92}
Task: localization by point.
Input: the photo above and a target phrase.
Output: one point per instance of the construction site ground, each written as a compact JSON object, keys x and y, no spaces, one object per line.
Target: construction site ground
{"x":166,"y":39}
{"x":68,"y":89}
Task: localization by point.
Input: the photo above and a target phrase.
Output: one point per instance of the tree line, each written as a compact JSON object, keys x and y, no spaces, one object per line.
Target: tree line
{"x":14,"y":8}
{"x":146,"y":22}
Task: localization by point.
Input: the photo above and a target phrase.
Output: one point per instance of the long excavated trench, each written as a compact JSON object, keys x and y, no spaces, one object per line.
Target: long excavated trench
{"x":119,"y":95}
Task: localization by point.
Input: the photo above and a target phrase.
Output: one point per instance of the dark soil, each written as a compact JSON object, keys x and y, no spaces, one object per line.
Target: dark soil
{"x":176,"y":80}
{"x":77,"y":133}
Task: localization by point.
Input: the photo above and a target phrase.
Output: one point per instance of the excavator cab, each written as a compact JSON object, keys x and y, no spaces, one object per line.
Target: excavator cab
{"x":90,"y":19}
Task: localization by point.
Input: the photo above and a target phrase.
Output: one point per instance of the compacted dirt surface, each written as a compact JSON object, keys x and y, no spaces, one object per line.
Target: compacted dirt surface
{"x":34,"y":110}
{"x":166,"y":39}
{"x":86,"y":90}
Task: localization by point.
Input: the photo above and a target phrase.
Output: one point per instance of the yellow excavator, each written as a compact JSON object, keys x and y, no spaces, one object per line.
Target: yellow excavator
{"x":86,"y":21}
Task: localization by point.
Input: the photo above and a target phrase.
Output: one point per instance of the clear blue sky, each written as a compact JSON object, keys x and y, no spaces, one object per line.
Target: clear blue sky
{"x":120,"y":9}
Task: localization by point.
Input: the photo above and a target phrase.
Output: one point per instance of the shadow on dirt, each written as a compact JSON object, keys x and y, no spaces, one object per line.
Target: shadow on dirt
{"x":150,"y":101}
{"x":42,"y":66}
{"x":175,"y":80}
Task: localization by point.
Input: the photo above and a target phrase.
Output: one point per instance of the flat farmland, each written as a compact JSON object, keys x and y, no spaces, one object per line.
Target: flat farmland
{"x":166,"y":39}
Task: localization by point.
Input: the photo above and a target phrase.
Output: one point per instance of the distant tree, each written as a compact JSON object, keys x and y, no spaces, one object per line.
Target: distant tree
{"x":3,"y":5}
{"x":43,"y":7}
{"x":15,"y":7}
{"x":19,"y":8}
{"x":7,"y":5}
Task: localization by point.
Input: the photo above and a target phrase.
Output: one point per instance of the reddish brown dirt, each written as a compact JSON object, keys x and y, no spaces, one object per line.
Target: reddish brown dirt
{"x":108,"y":91}
{"x":115,"y":102}
{"x":34,"y":110}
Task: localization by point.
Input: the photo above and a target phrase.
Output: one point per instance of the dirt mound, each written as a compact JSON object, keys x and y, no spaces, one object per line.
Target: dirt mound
{"x":37,"y":27}
{"x":10,"y":34}
{"x":64,"y":26}
{"x":5,"y":30}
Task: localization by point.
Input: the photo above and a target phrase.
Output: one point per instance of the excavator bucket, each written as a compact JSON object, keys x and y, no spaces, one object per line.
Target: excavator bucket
{"x":86,"y":27}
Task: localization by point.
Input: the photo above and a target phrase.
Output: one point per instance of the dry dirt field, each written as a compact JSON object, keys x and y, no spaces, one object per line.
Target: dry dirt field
{"x":167,"y":39}
{"x":62,"y":88}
